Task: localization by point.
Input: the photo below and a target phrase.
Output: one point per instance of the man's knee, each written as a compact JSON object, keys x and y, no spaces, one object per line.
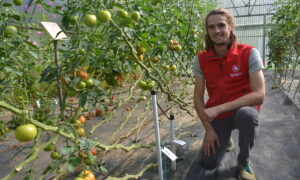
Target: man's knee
{"x":247,"y":117}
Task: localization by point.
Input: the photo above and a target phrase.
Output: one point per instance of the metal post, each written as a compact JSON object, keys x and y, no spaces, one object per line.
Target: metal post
{"x":172,"y":138}
{"x":157,"y":135}
{"x":59,"y":87}
{"x":264,"y":41}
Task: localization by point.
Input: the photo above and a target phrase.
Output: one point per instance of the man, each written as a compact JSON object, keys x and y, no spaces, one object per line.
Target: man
{"x":232,"y":74}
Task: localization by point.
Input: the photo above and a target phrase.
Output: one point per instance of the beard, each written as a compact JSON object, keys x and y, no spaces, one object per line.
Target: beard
{"x":223,"y":43}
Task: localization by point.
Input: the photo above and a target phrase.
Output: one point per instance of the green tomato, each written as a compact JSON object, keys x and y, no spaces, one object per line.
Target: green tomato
{"x":26,"y":132}
{"x":122,"y":13}
{"x":18,"y":2}
{"x":59,"y":170}
{"x":166,"y":68}
{"x":178,"y":48}
{"x":142,"y":84}
{"x":50,"y":147}
{"x":78,"y":123}
{"x":151,"y":82}
{"x":143,"y":98}
{"x":55,"y":155}
{"x":81,"y":85}
{"x":90,"y":20}
{"x":150,"y":86}
{"x":135,"y":15}
{"x":104,"y":16}
{"x":89,"y":82}
{"x":140,"y":50}
{"x":87,"y":162}
{"x":81,"y":51}
{"x":173,"y":68}
{"x":11,"y":30}
{"x":154,"y":2}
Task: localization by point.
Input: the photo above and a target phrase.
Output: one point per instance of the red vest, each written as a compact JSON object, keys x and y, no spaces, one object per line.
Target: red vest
{"x":226,"y":78}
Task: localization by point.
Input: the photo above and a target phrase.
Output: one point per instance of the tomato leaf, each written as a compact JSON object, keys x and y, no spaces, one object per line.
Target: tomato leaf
{"x":73,"y":162}
{"x":48,"y":75}
{"x":86,"y":143}
{"x":82,"y":99}
{"x":103,"y":169}
{"x":6,"y":5}
{"x":16,"y":17}
{"x":30,"y":44}
{"x":66,"y":150}
{"x":33,"y":54}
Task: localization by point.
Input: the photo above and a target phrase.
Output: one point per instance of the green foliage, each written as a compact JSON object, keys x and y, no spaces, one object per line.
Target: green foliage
{"x":284,"y":36}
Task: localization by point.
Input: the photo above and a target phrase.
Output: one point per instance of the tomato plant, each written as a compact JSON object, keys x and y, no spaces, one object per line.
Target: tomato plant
{"x":111,"y":48}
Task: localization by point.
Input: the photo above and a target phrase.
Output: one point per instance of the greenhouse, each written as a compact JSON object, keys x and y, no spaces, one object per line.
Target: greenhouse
{"x":149,"y":90}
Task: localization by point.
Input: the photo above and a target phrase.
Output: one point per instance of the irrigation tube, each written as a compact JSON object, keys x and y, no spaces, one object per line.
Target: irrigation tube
{"x":157,"y":135}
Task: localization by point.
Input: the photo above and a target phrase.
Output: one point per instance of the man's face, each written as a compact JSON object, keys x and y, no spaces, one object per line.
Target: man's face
{"x":218,"y":30}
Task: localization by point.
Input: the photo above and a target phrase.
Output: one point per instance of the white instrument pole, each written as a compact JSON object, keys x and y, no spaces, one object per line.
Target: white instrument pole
{"x":172,"y":138}
{"x":157,"y":135}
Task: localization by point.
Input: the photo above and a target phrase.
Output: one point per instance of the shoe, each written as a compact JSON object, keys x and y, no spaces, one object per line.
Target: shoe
{"x":246,"y":172}
{"x":230,"y":145}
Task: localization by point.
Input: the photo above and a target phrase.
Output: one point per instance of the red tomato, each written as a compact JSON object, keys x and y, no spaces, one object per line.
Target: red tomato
{"x":94,"y":151}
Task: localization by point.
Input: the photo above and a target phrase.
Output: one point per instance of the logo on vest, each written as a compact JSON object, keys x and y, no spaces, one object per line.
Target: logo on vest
{"x":236,"y":71}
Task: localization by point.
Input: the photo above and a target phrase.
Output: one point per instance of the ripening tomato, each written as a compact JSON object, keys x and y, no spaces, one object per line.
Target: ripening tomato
{"x":78,"y":178}
{"x":80,"y":131}
{"x":88,"y":116}
{"x":82,"y":119}
{"x":140,"y":50}
{"x":154,"y":60}
{"x":135,"y":77}
{"x":140,"y":57}
{"x":98,"y":112}
{"x":87,"y":175}
{"x":81,"y":74}
{"x":82,"y":155}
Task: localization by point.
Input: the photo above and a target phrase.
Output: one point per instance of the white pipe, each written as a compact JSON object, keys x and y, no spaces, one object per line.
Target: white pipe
{"x":157,"y":135}
{"x":172,"y":138}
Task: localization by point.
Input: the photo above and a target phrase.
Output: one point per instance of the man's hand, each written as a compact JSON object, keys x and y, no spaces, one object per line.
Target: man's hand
{"x":210,"y":140}
{"x":205,"y":117}
{"x":212,"y":112}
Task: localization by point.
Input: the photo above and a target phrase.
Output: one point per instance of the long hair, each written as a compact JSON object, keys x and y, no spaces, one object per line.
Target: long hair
{"x":230,"y":21}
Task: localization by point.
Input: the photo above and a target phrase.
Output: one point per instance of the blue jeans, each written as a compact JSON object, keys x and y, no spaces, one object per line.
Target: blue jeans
{"x":246,"y":121}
